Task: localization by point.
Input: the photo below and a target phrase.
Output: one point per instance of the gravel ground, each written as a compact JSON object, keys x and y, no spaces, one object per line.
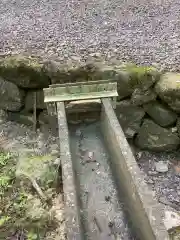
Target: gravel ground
{"x":137,"y":30}
{"x":167,"y":184}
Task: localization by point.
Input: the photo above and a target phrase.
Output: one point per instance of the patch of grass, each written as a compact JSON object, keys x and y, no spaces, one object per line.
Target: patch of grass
{"x":4,"y":158}
{"x":32,"y":236}
{"x":20,"y":207}
{"x":4,"y":183}
{"x":6,"y":173}
{"x":4,"y":220}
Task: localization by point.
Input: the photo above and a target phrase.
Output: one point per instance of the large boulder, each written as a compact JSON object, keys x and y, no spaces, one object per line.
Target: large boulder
{"x":142,"y":77}
{"x":168,"y":88}
{"x":140,"y":97}
{"x":123,"y":84}
{"x":84,"y":105}
{"x":130,"y":117}
{"x":155,"y":138}
{"x":25,"y":72}
{"x":62,"y":73}
{"x":160,"y":113}
{"x":131,"y":78}
{"x":29,"y":100}
{"x":11,"y":97}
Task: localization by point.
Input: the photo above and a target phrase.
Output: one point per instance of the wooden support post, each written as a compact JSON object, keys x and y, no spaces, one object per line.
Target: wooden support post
{"x":35,"y":112}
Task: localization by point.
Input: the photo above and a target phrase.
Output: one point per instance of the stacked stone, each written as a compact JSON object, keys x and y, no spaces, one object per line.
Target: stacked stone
{"x":148,"y":106}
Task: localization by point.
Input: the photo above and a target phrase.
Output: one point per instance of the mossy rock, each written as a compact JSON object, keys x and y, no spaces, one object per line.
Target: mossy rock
{"x":160,"y":113}
{"x":155,"y":138}
{"x":82,"y":72}
{"x":141,"y":76}
{"x":12,"y":98}
{"x":168,"y":89}
{"x":25,"y":72}
{"x":130,"y":117}
{"x":140,"y":96}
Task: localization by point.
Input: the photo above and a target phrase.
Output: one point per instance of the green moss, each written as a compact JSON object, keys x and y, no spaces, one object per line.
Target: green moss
{"x":78,"y":73}
{"x":32,"y":72}
{"x":24,"y":71}
{"x":174,"y":233}
{"x":141,"y":76}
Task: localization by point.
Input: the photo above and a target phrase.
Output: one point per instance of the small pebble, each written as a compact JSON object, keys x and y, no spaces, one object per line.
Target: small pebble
{"x":78,"y":132}
{"x":150,"y":181}
{"x":54,"y":152}
{"x":75,"y":122}
{"x":174,"y":129}
{"x":172,"y":219}
{"x":57,"y":161}
{"x":139,"y":155}
{"x":152,"y":173}
{"x":90,"y":155}
{"x":161,"y":167}
{"x":54,"y":147}
{"x":107,"y":198}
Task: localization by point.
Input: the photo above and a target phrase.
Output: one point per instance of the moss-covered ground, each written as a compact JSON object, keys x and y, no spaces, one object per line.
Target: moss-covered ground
{"x":23,"y":210}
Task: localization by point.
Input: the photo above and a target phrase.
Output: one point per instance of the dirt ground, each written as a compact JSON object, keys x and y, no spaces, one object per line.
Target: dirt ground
{"x":15,"y":139}
{"x":17,"y":221}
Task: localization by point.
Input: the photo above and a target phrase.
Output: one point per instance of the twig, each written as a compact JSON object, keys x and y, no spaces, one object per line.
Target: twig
{"x":38,"y":189}
{"x":97,"y":224}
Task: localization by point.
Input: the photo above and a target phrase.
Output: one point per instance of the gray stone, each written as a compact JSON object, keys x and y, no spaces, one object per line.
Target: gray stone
{"x":123,"y":84}
{"x":83,"y":105}
{"x":140,"y":97}
{"x":161,"y":167}
{"x":160,"y":113}
{"x":12,"y":98}
{"x":21,"y":118}
{"x":172,"y":220}
{"x":130,"y":117}
{"x":24,"y":71}
{"x":3,"y":115}
{"x":43,"y":117}
{"x":178,"y":126}
{"x":48,"y":122}
{"x":74,"y":121}
{"x":168,"y":88}
{"x":155,"y":138}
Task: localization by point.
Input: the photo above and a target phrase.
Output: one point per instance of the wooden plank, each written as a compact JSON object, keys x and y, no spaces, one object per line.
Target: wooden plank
{"x":72,"y":210}
{"x":82,"y":83}
{"x":80,"y":91}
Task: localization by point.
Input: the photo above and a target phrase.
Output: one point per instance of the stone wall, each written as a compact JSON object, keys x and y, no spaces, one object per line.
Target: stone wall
{"x":148,"y":106}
